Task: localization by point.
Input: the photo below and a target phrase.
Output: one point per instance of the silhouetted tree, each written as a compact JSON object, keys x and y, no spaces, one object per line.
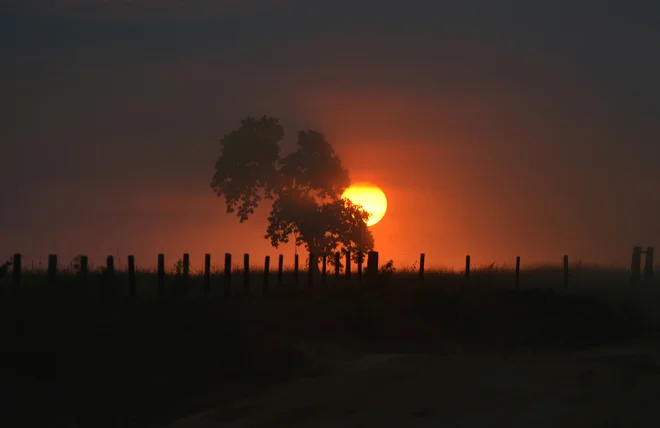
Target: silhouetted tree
{"x":305,"y":187}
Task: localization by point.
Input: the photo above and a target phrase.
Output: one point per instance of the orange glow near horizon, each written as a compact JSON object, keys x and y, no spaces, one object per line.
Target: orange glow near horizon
{"x":370,"y":197}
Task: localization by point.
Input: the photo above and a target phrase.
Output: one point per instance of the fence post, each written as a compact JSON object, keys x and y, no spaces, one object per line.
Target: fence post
{"x":246,"y":274}
{"x":467,"y":267}
{"x":84,"y":269}
{"x":295,"y":270}
{"x":347,"y":269}
{"x":324,"y":267}
{"x":517,"y":272}
{"x":360,"y":257}
{"x":109,"y":274}
{"x":636,"y":265}
{"x":422,"y":257}
{"x":227,"y":284}
{"x":264,"y":290}
{"x":132,"y":289}
{"x":648,"y":264}
{"x":310,"y":270}
{"x":372,"y":266}
{"x":161,"y":274}
{"x":280,"y":270}
{"x":16,"y":273}
{"x":207,"y":274}
{"x":186,"y":273}
{"x":565,"y":273}
{"x":337,"y":266}
{"x":110,"y":265}
{"x":52,"y":269}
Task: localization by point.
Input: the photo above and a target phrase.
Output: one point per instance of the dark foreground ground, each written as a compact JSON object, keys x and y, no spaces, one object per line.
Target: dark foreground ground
{"x":602,"y":387}
{"x":407,"y":355}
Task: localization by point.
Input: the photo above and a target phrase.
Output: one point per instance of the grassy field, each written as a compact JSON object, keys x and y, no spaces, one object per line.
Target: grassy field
{"x":114,"y":361}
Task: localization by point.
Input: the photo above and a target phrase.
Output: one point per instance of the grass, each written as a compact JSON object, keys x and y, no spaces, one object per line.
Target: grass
{"x":581,"y":278}
{"x":116,"y":361}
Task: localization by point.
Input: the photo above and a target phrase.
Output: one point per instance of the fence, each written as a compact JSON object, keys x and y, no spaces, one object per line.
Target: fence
{"x":372,"y":271}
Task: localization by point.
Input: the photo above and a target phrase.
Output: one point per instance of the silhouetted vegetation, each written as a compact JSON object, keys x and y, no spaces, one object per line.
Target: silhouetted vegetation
{"x":3,"y":269}
{"x":305,"y":187}
{"x":108,"y":361}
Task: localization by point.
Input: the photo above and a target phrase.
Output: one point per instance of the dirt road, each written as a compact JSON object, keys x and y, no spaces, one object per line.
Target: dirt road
{"x":605,"y":387}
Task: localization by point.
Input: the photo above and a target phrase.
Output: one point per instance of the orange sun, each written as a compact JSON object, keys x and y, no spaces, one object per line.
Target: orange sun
{"x":372,"y":199}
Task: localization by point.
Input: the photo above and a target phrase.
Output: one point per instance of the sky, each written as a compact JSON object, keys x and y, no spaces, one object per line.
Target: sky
{"x":496,"y":129}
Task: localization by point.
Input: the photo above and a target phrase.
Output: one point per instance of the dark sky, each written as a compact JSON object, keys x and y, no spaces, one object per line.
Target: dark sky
{"x":495,"y":128}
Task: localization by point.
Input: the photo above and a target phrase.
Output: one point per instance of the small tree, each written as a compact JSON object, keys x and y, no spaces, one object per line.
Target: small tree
{"x":178,"y":268}
{"x":305,"y":187}
{"x":76,"y":264}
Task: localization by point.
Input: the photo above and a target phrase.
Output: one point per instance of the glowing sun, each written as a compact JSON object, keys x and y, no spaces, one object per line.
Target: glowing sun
{"x":372,"y":199}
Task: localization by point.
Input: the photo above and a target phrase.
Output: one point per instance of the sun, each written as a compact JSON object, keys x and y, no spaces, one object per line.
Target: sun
{"x":372,"y":199}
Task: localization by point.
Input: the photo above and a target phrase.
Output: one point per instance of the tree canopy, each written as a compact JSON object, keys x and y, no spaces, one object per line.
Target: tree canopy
{"x":305,"y":188}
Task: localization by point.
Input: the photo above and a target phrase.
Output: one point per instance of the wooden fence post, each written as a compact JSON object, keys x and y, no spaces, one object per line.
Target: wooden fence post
{"x":227,"y":282}
{"x":310,"y":270}
{"x":84,"y":269}
{"x":360,"y":257}
{"x":636,"y":265}
{"x":160,"y":278}
{"x":109,"y":275}
{"x":280,"y":271}
{"x":347,"y":269}
{"x":648,"y":264}
{"x":207,"y":274}
{"x":132,"y":288}
{"x":467,"y":267}
{"x":517,"y":272}
{"x":110,"y":265}
{"x":186,"y":273}
{"x":324,"y":269}
{"x":161,"y":274}
{"x":372,"y":266}
{"x":246,"y":274}
{"x":295,"y":270}
{"x":16,"y":273}
{"x":52,"y":269}
{"x":264,"y":290}
{"x":337,"y":266}
{"x":422,"y":257}
{"x":565,"y":273}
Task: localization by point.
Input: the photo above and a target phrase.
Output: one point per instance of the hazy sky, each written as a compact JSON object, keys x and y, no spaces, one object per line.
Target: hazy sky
{"x":495,"y":128}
